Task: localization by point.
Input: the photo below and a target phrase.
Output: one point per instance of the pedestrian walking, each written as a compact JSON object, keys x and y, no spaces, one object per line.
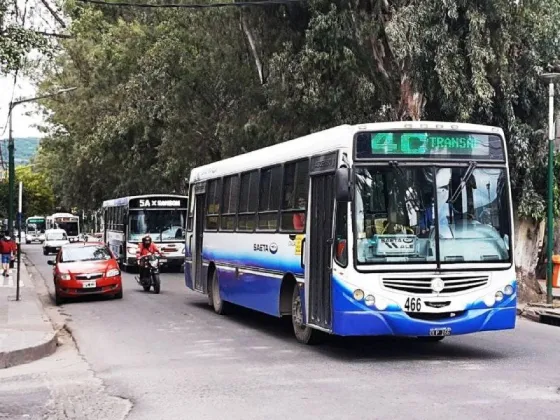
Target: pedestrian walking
{"x":6,"y":251}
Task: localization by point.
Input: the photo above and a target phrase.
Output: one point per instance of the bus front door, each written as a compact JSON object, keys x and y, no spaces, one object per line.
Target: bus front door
{"x":199,"y":210}
{"x":319,"y":242}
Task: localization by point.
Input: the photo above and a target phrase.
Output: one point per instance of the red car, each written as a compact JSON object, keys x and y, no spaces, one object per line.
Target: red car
{"x":86,"y":268}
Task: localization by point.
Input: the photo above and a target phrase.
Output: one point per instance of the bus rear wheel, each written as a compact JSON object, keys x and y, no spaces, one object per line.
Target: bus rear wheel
{"x":304,"y":334}
{"x":221,"y":307}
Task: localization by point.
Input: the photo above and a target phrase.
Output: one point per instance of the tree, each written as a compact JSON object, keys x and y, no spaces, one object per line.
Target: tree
{"x":15,"y":39}
{"x":164,"y":91}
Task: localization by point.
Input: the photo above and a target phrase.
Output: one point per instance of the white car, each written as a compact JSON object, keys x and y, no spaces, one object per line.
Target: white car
{"x":54,"y":240}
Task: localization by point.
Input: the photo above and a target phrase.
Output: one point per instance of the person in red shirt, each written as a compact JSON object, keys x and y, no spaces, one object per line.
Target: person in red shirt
{"x":7,"y":249}
{"x":146,"y":247}
{"x":298,"y":219}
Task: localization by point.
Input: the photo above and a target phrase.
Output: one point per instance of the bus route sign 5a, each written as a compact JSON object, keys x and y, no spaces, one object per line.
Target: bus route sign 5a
{"x":159,"y":203}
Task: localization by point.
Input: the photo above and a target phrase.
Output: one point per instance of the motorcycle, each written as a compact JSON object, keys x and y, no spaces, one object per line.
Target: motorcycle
{"x":149,"y":273}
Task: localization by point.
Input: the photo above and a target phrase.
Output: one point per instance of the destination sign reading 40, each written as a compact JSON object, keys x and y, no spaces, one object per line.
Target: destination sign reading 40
{"x":434,"y":143}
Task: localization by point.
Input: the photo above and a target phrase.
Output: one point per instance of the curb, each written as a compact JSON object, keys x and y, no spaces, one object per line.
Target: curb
{"x":29,"y":354}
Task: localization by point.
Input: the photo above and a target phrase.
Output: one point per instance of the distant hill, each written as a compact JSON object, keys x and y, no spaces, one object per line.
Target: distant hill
{"x":25,"y":149}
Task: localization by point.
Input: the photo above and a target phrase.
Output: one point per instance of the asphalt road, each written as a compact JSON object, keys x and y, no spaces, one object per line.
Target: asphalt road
{"x":172,"y":357}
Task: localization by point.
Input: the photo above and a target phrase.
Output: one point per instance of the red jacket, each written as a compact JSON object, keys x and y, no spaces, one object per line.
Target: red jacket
{"x":142,"y":250}
{"x":7,"y":246}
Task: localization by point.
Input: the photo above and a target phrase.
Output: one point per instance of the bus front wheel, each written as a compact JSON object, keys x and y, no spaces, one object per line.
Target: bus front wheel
{"x":304,"y":334}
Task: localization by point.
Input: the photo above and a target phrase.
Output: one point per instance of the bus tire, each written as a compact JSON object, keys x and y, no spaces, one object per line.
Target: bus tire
{"x":428,"y":339}
{"x":304,"y":334}
{"x":221,"y":307}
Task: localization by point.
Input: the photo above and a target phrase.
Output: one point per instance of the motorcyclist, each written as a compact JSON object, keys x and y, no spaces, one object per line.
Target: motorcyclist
{"x":146,"y":247}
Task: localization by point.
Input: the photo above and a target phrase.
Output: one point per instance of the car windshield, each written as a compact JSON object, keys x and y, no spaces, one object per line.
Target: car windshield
{"x":56,"y":237}
{"x":161,"y":225}
{"x":396,"y":215}
{"x":86,"y":253}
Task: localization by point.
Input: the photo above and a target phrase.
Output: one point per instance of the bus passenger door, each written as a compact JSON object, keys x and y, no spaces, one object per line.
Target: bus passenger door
{"x":198,"y":231}
{"x":319,"y":241}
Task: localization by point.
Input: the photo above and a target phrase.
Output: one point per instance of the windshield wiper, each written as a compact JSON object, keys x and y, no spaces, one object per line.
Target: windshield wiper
{"x":464,"y":180}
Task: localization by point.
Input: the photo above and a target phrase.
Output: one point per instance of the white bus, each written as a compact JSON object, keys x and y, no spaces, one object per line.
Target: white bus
{"x":401,"y":228}
{"x":35,"y":229}
{"x":127,"y":220}
{"x":66,"y":221}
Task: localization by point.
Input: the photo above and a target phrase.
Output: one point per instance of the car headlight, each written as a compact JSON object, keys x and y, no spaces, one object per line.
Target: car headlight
{"x":113,"y":272}
{"x":64,"y":277}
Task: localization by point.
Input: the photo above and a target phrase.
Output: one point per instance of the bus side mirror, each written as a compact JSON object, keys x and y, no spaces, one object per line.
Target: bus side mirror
{"x":342,"y":185}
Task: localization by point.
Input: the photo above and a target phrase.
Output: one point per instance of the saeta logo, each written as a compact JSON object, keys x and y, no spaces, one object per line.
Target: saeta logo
{"x":273,"y":248}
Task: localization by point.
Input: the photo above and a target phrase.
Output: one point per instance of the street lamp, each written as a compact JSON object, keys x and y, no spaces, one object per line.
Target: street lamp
{"x":550,"y":78}
{"x":11,"y":163}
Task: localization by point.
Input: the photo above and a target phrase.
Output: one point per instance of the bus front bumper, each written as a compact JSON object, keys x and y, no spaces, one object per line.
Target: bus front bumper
{"x":398,"y":323}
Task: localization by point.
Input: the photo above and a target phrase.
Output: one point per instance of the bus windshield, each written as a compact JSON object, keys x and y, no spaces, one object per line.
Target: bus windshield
{"x":71,"y":228}
{"x":36,"y":225}
{"x":162,"y":225}
{"x":396,"y":215}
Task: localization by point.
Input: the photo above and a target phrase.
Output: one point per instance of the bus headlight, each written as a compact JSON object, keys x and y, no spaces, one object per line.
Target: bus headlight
{"x":508,"y":290}
{"x":370,"y":300}
{"x":358,"y":294}
{"x":499,"y":296}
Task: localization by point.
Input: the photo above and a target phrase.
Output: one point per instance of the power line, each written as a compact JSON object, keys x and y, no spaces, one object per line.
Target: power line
{"x":193,"y":6}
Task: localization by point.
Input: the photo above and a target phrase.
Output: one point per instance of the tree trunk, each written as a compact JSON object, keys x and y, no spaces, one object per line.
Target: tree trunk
{"x":529,"y":239}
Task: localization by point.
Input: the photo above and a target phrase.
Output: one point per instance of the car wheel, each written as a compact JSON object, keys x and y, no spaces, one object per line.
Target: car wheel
{"x":45,"y":251}
{"x":58,"y":300}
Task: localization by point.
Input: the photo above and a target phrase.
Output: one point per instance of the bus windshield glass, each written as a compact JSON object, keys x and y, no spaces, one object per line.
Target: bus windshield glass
{"x":36,"y":225}
{"x":162,"y":225}
{"x":71,"y":228}
{"x":396,"y":215}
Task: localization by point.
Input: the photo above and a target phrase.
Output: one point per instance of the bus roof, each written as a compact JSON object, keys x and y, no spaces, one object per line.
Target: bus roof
{"x":62,"y":215}
{"x":319,"y":143}
{"x":125,"y":200}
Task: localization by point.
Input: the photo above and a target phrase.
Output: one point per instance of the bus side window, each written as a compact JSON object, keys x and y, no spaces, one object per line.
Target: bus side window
{"x":192,"y":199}
{"x":213,"y":205}
{"x":248,"y":197}
{"x":341,"y":234}
{"x":294,"y":196}
{"x":229,"y":202}
{"x":269,"y":201}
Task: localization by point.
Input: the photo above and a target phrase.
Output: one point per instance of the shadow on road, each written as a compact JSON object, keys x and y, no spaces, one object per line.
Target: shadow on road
{"x":363,"y":349}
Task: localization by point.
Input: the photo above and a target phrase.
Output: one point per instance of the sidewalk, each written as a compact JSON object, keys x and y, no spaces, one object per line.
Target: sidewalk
{"x":555,"y":290}
{"x":26,"y":333}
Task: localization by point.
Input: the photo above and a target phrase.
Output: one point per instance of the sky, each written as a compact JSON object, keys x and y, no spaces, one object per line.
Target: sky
{"x":22,"y":125}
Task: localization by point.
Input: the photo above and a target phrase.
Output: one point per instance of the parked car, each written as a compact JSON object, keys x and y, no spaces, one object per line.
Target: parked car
{"x":54,"y":240}
{"x":86,"y":268}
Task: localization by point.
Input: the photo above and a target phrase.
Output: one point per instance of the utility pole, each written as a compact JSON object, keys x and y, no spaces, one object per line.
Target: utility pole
{"x":11,"y":163}
{"x":550,"y":78}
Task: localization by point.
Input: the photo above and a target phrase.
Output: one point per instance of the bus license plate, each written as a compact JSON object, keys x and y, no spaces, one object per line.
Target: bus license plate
{"x":440,"y":332}
{"x":89,"y":284}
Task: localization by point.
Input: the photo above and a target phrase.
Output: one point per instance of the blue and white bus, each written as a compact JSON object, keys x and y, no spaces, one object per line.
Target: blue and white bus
{"x":400,"y":228}
{"x":162,"y":216}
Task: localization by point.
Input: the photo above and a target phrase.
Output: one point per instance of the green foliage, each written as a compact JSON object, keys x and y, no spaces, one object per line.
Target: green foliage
{"x":164,"y":91}
{"x":15,"y":40}
{"x":37,"y":199}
